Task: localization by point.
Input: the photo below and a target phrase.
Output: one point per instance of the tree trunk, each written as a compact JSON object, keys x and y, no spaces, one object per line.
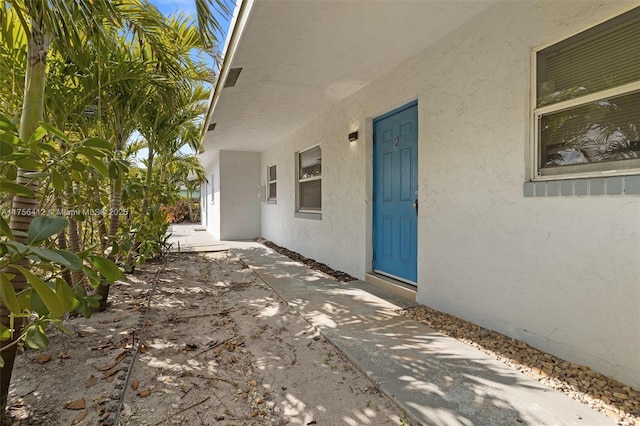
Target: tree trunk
{"x":114,"y":222}
{"x":32,"y":113}
{"x":190,"y":204}
{"x":74,"y":239}
{"x":149,"y":175}
{"x":102,"y":232}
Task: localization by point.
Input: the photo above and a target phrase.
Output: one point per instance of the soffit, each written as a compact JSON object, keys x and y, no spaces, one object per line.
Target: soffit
{"x":300,"y":57}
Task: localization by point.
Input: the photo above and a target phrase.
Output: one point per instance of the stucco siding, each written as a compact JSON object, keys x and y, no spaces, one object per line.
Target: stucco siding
{"x":562,"y":273}
{"x":240,"y":205}
{"x":559,"y":273}
{"x":211,"y":204}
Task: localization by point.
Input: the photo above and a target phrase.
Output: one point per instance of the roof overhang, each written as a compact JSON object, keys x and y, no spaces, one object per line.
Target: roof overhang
{"x":300,"y":57}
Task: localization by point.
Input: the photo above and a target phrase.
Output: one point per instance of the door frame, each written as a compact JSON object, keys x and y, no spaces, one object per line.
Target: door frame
{"x":371,"y":126}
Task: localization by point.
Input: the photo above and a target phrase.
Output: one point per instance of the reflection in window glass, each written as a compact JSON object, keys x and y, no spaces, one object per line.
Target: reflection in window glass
{"x":272,"y":184}
{"x":587,"y":116}
{"x":606,"y":130}
{"x":310,"y":163}
{"x":310,"y":180}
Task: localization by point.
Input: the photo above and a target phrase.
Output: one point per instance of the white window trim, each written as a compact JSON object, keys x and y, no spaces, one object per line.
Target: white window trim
{"x":307,"y":212}
{"x":538,"y":112}
{"x":272,"y":199}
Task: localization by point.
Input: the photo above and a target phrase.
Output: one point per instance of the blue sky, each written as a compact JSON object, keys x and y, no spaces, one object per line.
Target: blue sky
{"x":171,"y":6}
{"x":188,"y":7}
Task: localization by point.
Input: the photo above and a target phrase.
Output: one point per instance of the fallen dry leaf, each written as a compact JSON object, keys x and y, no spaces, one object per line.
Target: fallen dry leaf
{"x":92,"y":380}
{"x":217,"y":350}
{"x":42,"y":358}
{"x":121,"y":356}
{"x":148,"y":323}
{"x":64,"y":355}
{"x":105,"y":346}
{"x":143,"y":348}
{"x":77,"y":419}
{"x":107,"y":366}
{"x":144,"y":393}
{"x":111,"y":372}
{"x":135,"y":384}
{"x":110,"y":379}
{"x":78,"y":404}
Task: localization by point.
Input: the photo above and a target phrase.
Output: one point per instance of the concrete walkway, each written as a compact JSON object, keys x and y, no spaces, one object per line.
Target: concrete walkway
{"x":437,"y":379}
{"x":188,"y":238}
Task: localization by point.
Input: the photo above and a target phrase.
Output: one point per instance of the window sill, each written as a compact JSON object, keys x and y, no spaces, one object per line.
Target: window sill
{"x":272,"y":201}
{"x":306,"y":215}
{"x":618,"y":185}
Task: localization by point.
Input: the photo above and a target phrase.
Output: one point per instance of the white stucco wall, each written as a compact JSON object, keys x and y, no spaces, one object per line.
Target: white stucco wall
{"x":211,"y":206}
{"x":337,"y":239}
{"x":239,"y":179}
{"x":561,"y":273}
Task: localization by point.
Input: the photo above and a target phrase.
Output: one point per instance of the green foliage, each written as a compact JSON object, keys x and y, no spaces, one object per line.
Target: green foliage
{"x":8,"y":294}
{"x":42,"y":227}
{"x":107,"y":268}
{"x":178,"y":212}
{"x":48,"y":296}
{"x":35,"y":337}
{"x":106,"y":80}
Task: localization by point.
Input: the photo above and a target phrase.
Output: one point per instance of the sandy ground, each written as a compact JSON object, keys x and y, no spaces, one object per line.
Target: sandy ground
{"x":198,"y":341}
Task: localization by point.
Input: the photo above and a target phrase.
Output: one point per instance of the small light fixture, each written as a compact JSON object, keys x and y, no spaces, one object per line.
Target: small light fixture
{"x":353,"y":136}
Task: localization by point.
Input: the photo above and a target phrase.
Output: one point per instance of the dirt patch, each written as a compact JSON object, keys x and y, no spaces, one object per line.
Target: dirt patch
{"x":200,"y":341}
{"x":601,"y":393}
{"x":313,"y":264}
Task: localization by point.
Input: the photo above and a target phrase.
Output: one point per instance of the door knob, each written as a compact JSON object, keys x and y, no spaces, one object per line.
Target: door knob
{"x":415,"y":206}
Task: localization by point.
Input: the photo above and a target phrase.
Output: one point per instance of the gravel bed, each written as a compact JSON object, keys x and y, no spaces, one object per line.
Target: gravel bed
{"x":337,"y":275}
{"x":616,"y":400}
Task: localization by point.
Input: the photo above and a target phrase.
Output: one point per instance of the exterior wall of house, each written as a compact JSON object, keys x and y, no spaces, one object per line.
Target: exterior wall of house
{"x":561,"y":273}
{"x":210,"y":209}
{"x":239,"y":179}
{"x":338,"y":238}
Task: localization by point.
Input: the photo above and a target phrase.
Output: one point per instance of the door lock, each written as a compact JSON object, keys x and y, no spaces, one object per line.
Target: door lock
{"x":415,"y":206}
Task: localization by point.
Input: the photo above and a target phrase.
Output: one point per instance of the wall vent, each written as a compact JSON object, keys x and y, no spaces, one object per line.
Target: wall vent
{"x":232,"y":77}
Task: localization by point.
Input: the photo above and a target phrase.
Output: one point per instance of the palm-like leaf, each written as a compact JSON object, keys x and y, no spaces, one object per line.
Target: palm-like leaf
{"x":209,"y":27}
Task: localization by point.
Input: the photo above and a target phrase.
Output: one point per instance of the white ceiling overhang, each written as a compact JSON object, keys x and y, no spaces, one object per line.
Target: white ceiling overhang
{"x":299,"y":57}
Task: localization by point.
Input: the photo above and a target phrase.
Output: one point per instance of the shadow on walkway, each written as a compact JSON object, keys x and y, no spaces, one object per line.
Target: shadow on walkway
{"x":437,"y":379}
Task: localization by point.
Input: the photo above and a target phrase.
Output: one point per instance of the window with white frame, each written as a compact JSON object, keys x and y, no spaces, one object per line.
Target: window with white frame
{"x":587,"y":102}
{"x":309,"y":176}
{"x":272,"y":185}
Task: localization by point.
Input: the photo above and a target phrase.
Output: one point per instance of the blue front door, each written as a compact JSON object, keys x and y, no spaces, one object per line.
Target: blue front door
{"x":395,"y":193}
